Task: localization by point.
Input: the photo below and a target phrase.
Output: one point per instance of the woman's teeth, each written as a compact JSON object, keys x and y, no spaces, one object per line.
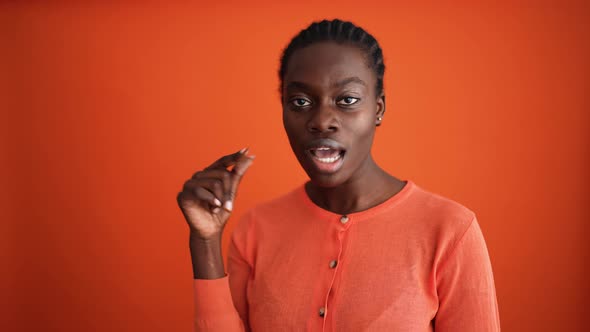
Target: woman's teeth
{"x":326,"y":155}
{"x":327,"y":160}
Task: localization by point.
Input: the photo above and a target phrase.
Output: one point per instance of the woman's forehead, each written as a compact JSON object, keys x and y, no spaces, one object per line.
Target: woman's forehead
{"x":329,"y":64}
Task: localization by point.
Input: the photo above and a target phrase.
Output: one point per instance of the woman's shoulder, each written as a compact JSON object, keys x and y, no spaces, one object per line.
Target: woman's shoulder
{"x":433,"y":202}
{"x":441,"y":212}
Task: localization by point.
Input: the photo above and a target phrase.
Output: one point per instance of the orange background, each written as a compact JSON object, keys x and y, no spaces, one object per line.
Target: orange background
{"x":108,"y":109}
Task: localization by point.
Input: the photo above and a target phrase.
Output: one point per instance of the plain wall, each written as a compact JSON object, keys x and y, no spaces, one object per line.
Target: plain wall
{"x":107,"y":109}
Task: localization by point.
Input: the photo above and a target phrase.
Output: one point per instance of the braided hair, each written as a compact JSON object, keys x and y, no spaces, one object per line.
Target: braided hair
{"x":341,"y":32}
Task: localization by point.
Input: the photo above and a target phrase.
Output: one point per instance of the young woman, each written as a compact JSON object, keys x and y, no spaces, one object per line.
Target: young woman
{"x":355,"y":248}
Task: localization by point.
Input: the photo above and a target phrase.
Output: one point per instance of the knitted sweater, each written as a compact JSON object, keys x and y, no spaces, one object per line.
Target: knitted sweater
{"x":416,"y":262}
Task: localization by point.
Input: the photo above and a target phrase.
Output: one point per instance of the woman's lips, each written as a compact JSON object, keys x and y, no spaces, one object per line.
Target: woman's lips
{"x":326,"y":159}
{"x":326,"y":155}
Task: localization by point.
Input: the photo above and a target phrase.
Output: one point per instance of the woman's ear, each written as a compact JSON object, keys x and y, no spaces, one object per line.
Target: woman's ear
{"x":380,"y":110}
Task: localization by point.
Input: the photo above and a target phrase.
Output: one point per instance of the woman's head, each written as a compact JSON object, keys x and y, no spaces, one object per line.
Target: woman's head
{"x":340,"y":32}
{"x":332,"y":96}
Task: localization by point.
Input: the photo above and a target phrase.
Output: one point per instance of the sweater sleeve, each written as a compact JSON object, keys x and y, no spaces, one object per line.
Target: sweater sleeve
{"x":465,"y":286}
{"x":221,"y":304}
{"x":214,"y":310}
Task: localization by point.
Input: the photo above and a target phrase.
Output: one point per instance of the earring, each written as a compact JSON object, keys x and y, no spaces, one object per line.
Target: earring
{"x":380,"y":118}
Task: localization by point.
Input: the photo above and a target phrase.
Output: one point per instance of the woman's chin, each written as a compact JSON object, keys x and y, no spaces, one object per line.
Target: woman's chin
{"x":325,"y":180}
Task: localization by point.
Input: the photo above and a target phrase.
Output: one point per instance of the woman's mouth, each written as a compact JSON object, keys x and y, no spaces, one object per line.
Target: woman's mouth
{"x":326,"y":159}
{"x":326,"y":154}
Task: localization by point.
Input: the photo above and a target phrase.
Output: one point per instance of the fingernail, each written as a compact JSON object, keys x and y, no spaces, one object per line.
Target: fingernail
{"x":243,"y":151}
{"x":215,"y":210}
{"x":252,"y":156}
{"x":217,"y":202}
{"x":228,"y":205}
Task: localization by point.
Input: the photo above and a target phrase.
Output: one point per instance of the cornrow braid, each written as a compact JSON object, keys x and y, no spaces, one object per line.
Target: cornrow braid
{"x":341,"y":32}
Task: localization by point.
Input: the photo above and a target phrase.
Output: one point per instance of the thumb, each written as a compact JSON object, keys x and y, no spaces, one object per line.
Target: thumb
{"x":239,"y":170}
{"x":242,"y":166}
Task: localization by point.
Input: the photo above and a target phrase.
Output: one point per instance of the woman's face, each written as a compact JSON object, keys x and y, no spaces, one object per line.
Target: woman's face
{"x":330,"y":110}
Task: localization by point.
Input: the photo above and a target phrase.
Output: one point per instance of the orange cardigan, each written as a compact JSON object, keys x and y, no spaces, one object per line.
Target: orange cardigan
{"x":417,"y":262}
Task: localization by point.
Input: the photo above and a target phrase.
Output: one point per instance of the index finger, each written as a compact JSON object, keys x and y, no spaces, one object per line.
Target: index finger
{"x":239,"y":170}
{"x":227,"y":161}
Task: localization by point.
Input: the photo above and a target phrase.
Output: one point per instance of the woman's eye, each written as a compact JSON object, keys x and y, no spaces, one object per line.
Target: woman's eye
{"x":348,"y":101}
{"x":300,"y":102}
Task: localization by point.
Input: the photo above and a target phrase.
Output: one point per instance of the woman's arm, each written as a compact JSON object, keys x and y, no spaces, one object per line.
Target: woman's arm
{"x":465,"y":286}
{"x":221,"y":304}
{"x":206,"y":202}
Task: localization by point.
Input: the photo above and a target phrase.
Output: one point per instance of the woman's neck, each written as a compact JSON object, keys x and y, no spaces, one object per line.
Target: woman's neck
{"x":360,"y":193}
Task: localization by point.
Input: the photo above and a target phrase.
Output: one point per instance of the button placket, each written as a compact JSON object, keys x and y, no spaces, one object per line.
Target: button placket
{"x":344,"y":222}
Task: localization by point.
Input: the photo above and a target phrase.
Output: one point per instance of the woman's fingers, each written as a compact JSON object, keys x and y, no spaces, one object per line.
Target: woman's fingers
{"x":207,"y":190}
{"x":224,"y":177}
{"x":206,"y":196}
{"x":230,"y":178}
{"x":229,"y":160}
{"x":240,"y":165}
{"x":206,"y":199}
{"x":239,"y":170}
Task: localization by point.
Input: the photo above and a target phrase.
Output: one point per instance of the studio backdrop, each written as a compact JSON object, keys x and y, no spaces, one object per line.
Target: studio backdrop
{"x":108,"y":108}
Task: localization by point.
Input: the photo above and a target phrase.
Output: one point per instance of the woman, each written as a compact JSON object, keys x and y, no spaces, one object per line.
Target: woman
{"x":355,"y":248}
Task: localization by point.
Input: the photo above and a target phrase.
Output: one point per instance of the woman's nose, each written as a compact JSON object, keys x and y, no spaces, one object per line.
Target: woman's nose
{"x":322,"y":119}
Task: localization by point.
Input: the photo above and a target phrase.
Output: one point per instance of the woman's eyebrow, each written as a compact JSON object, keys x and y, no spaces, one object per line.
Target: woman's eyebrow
{"x":341,"y":83}
{"x":348,"y":80}
{"x":297,"y":85}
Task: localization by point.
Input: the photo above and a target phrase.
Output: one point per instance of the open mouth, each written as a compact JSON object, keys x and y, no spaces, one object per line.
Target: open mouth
{"x":326,"y":154}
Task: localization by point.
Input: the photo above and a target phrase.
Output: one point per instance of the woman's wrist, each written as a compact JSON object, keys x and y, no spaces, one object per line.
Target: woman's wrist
{"x":195,"y":237}
{"x":206,"y":257}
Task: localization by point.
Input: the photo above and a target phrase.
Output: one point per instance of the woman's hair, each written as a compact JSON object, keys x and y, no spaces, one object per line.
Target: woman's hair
{"x":341,"y":32}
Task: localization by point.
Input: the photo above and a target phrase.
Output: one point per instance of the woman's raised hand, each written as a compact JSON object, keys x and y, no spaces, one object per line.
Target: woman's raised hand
{"x":206,"y":199}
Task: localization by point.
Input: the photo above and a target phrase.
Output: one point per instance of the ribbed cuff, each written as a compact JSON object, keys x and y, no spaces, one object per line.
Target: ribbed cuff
{"x":212,"y":297}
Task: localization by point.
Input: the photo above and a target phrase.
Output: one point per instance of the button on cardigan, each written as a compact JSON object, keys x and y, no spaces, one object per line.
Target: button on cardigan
{"x":416,"y":262}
